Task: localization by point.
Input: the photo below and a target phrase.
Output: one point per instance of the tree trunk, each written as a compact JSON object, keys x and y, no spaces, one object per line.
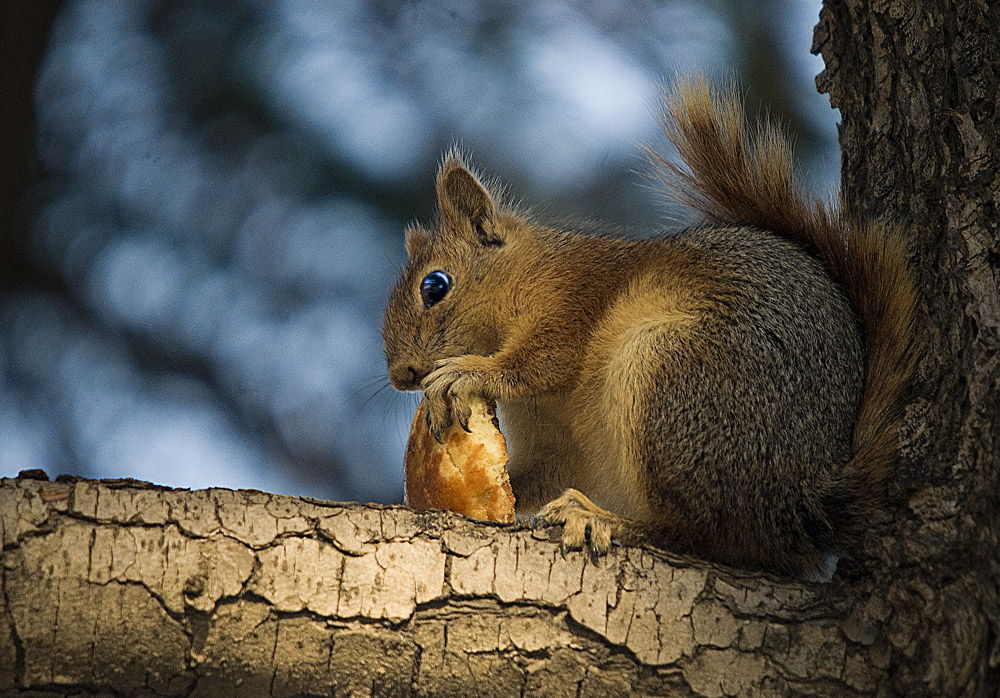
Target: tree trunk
{"x":122,"y":588}
{"x":917,"y":84}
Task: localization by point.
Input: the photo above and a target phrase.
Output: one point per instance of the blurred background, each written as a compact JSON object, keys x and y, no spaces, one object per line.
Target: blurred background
{"x":202,"y":203}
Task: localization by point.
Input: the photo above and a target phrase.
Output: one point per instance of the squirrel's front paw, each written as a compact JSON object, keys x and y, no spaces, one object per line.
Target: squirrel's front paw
{"x":448,"y":389}
{"x":585,"y":525}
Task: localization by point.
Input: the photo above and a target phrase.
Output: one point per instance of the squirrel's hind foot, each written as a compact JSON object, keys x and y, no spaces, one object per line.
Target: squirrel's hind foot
{"x":586,"y":526}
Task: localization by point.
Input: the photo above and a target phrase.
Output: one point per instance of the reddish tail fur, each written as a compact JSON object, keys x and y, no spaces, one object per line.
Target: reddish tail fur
{"x":741,"y":179}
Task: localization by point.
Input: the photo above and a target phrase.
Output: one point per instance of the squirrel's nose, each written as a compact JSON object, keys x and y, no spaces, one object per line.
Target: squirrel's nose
{"x":405,"y":376}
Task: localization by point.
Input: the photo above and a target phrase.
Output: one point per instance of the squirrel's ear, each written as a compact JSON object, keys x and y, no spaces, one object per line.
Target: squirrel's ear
{"x":416,"y":237}
{"x":465,"y":204}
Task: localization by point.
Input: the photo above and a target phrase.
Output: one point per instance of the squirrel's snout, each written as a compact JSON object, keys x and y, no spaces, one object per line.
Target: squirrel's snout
{"x":405,"y":376}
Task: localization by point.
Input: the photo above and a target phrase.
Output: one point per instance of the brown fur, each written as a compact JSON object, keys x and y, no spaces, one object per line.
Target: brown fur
{"x":705,"y":390}
{"x":732,"y":181}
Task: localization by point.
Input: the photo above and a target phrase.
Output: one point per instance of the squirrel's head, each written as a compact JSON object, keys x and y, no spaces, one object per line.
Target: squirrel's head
{"x":448,"y":299}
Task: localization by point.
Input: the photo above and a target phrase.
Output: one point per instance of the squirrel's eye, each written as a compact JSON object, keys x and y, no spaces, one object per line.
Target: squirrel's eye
{"x":434,"y":287}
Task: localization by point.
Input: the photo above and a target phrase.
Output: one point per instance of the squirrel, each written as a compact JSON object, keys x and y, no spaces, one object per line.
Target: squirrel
{"x":732,"y":390}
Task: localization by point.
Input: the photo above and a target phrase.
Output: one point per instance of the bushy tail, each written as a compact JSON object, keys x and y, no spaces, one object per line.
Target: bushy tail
{"x":736,"y":177}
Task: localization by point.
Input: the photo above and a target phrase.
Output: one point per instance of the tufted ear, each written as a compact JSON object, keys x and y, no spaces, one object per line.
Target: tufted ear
{"x":467,"y":207}
{"x":415,"y":237}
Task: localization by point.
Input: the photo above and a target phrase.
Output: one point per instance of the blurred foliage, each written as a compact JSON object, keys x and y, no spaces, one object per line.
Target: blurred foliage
{"x":215,"y":223}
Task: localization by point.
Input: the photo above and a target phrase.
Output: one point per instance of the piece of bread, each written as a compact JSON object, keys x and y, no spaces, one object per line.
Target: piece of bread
{"x":466,"y":474}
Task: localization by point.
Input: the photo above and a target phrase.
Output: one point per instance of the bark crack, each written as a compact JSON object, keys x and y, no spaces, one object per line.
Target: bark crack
{"x":322,"y":536}
{"x":19,"y":653}
{"x":55,"y":626}
{"x":274,"y":660}
{"x":447,"y":588}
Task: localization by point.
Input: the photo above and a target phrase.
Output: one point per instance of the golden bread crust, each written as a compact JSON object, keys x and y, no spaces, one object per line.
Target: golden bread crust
{"x":466,"y":473}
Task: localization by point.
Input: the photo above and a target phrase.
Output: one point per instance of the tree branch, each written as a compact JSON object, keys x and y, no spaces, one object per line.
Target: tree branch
{"x":128,"y":588}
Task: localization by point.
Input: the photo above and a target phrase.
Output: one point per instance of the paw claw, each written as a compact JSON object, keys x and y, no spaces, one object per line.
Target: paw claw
{"x":447,"y":390}
{"x":436,"y":427}
{"x":463,"y":417}
{"x":586,"y":526}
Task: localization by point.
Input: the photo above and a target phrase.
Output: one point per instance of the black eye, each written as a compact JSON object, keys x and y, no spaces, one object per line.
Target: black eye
{"x":434,"y":287}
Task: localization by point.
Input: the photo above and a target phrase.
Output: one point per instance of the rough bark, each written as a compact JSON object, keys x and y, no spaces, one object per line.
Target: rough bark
{"x":917,"y":85}
{"x":128,"y":589}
